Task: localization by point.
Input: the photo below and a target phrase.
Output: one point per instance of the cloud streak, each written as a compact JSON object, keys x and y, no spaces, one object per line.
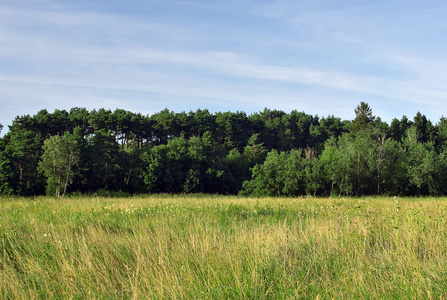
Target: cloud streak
{"x":71,"y":57}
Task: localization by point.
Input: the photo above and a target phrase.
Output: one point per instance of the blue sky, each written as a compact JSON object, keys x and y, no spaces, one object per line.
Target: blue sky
{"x":322,"y":57}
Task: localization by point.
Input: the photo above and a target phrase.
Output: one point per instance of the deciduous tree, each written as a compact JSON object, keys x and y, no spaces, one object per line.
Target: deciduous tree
{"x":59,"y":161}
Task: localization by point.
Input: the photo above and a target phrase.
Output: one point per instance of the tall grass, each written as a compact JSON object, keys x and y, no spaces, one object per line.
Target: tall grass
{"x":223,"y":248}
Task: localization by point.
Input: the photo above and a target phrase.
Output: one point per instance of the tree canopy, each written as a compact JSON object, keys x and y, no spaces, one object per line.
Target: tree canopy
{"x":270,"y":152}
{"x":59,"y":160}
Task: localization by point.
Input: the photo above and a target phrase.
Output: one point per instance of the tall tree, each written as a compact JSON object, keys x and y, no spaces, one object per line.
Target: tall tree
{"x":272,"y":130}
{"x":254,"y":151}
{"x":60,"y":158}
{"x":398,"y":128}
{"x":281,"y":174}
{"x":324,"y":129}
{"x":163,"y":124}
{"x":422,"y":163}
{"x":232,"y":129}
{"x":313,"y":171}
{"x":79,"y":117}
{"x":333,"y":166}
{"x":441,"y":143}
{"x":102,"y":162}
{"x":5,"y":169}
{"x":203,"y":121}
{"x":425,"y":129}
{"x":101,"y":119}
{"x":267,"y":178}
{"x":363,"y":117}
{"x":236,"y":170}
{"x":166,"y":166}
{"x":24,"y":148}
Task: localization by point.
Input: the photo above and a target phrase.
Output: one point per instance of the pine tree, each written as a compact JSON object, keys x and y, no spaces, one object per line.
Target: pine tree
{"x":363,"y":117}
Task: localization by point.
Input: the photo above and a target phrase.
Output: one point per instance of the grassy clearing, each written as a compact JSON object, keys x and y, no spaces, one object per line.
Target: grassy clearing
{"x":223,"y":248}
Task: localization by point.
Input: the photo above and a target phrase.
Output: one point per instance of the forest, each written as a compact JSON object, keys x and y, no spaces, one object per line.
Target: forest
{"x":268,"y":153}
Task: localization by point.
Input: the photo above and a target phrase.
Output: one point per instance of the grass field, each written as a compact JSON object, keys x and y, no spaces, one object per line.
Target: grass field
{"x":210,"y":247}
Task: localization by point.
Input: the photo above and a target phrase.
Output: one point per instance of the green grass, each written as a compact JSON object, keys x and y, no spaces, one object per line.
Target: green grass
{"x":211,"y":247}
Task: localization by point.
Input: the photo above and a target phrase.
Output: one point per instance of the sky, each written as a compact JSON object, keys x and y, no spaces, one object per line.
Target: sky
{"x":322,"y":57}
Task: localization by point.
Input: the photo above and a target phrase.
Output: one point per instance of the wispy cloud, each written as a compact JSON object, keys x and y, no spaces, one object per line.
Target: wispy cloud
{"x":309,"y":60}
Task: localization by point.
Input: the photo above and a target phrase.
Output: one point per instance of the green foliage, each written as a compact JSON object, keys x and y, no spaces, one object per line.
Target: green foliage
{"x":363,"y":117}
{"x":22,"y":154}
{"x":237,"y":169}
{"x":232,"y":129}
{"x":164,"y":171}
{"x":282,"y":174}
{"x":266,"y":178}
{"x":313,"y":172}
{"x":59,"y":161}
{"x":441,"y":141}
{"x":255,"y":151}
{"x":273,"y":152}
{"x":326,"y":128}
{"x":5,"y":170}
{"x":362,"y":163}
{"x":424,"y":166}
{"x":191,"y":166}
{"x":425,"y":130}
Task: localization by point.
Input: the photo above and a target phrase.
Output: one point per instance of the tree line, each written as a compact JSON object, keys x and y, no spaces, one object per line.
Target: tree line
{"x":268,"y":153}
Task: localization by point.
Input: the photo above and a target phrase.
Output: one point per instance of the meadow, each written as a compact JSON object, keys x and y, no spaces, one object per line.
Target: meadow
{"x":216,"y":247}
